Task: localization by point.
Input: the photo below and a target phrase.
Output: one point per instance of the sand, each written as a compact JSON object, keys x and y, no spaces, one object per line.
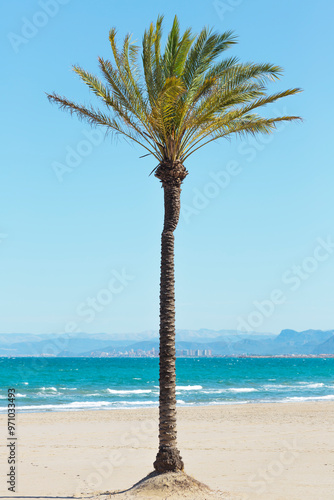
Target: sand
{"x":243,"y":452}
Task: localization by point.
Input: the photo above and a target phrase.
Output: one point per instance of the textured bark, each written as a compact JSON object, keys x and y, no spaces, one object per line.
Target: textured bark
{"x":168,"y":457}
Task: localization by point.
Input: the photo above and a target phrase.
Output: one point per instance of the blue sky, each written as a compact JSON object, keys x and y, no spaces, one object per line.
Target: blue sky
{"x":80,"y":251}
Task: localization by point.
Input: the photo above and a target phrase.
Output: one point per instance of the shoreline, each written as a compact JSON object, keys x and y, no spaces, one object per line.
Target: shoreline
{"x":248,"y":451}
{"x":300,"y":400}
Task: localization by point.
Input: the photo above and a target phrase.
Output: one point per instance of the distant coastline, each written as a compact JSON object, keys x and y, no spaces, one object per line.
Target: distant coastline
{"x":201,"y":343}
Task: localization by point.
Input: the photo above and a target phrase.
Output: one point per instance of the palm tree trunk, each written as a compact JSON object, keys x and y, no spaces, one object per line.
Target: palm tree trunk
{"x":168,"y":457}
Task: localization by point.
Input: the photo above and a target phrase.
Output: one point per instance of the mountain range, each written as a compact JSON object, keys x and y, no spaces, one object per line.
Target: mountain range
{"x":222,"y":342}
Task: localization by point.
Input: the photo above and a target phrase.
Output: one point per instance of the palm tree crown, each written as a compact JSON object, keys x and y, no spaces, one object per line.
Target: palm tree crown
{"x":183,"y":98}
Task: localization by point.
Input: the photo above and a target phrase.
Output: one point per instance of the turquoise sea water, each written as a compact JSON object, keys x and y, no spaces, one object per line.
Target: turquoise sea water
{"x":69,"y":384}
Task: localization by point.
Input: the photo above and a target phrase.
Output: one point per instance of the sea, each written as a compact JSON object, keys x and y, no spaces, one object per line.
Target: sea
{"x":73,"y":384}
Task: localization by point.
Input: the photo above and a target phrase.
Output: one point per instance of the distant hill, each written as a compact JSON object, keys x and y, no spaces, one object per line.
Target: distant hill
{"x":325,"y":348}
{"x":222,"y":342}
{"x":54,"y":345}
{"x":292,"y":337}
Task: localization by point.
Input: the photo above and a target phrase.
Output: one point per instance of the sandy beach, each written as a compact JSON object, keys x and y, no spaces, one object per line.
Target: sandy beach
{"x":254,"y":451}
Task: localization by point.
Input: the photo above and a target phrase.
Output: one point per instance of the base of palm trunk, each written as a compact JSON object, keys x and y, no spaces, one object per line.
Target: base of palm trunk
{"x":171,"y":485}
{"x":168,"y":460}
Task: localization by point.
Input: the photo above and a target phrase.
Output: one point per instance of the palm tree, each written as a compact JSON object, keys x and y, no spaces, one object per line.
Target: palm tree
{"x":173,"y":104}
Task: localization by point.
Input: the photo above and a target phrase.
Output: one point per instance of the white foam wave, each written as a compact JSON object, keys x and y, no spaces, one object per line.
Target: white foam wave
{"x":87,"y":404}
{"x":68,"y":406}
{"x":138,"y":403}
{"x":227,"y":402}
{"x":232,"y":389}
{"x":214,"y":391}
{"x":309,"y":384}
{"x":21,"y":395}
{"x":274,"y":387}
{"x":298,"y":386}
{"x":189,"y":387}
{"x":329,"y":397}
{"x":46,"y":395}
{"x":313,"y":386}
{"x":242,"y":389}
{"x":133,"y":391}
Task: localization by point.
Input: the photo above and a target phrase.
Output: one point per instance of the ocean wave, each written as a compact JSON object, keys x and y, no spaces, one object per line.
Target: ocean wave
{"x":46,"y":395}
{"x":277,"y":386}
{"x":227,"y":402}
{"x":312,"y":386}
{"x":329,"y":397}
{"x":306,"y":384}
{"x":68,"y":406}
{"x":21,"y":395}
{"x":132,"y":391}
{"x":242,"y":389}
{"x":189,"y":387}
{"x":298,"y":386}
{"x":138,"y":403}
{"x":214,"y":391}
{"x":86,"y":404}
{"x":230,"y":389}
{"x":48,"y":389}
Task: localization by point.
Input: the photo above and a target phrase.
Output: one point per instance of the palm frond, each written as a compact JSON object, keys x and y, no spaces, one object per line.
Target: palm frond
{"x":96,"y":117}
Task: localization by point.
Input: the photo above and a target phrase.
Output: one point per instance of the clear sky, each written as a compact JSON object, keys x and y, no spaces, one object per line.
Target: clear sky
{"x":80,"y":220}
